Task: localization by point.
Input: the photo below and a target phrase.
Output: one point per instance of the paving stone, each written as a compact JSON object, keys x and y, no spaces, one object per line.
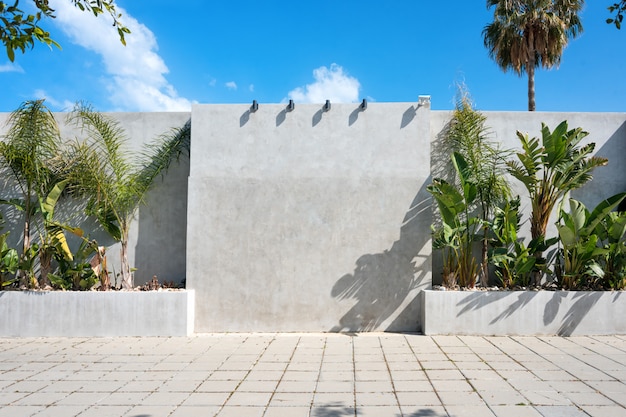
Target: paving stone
{"x":62,"y":411}
{"x":447,"y":374}
{"x":291,"y":399}
{"x":515,"y":411}
{"x":165,"y":399}
{"x":560,"y":411}
{"x":588,"y":398}
{"x":420,"y":410}
{"x":83,"y":398}
{"x":451,"y":385}
{"x":20,"y":410}
{"x":459,"y":398}
{"x":106,"y":411}
{"x":151,"y":411}
{"x":287,"y":412}
{"x":604,"y":411}
{"x":207,"y":398}
{"x":418,"y":398}
{"x":333,"y":399}
{"x":469,"y":411}
{"x":41,"y":398}
{"x":412,"y":386}
{"x":331,"y":411}
{"x":256,"y":399}
{"x":375,"y":399}
{"x":373,"y":386}
{"x":195,"y":411}
{"x":296,"y":386}
{"x":241,"y":411}
{"x":335,"y":386}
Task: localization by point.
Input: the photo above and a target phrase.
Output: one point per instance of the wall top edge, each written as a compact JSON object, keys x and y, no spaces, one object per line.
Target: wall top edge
{"x":530,"y":114}
{"x":281,"y":105}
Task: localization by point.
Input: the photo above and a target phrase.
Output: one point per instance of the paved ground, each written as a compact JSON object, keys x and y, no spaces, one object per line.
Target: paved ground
{"x":319,"y":375}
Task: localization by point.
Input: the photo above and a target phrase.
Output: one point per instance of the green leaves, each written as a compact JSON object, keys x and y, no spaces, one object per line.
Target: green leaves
{"x":552,"y":168}
{"x":619,"y":9}
{"x":19,"y":30}
{"x":590,"y":239}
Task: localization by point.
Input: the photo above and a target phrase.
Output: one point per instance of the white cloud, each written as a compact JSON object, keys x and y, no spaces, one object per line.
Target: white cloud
{"x":64,"y":105}
{"x":231,"y":85}
{"x":136,"y":71}
{"x":11,"y":67}
{"x":251,"y":88}
{"x":212,"y":82}
{"x":330,"y":84}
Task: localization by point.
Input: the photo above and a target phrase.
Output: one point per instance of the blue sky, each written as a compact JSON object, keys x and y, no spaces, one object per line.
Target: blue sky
{"x":195,"y":51}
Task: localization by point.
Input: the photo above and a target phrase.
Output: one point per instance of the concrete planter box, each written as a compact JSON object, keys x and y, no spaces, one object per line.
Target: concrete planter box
{"x":97,"y":314}
{"x":564,"y":313}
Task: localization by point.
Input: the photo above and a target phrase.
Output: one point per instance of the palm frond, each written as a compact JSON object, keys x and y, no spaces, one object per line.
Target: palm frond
{"x":158,"y":156}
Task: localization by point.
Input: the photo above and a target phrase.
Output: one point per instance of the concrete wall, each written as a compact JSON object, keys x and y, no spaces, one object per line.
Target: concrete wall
{"x":563,"y":313}
{"x":308,"y":220}
{"x":311,"y":220}
{"x":96,"y":313}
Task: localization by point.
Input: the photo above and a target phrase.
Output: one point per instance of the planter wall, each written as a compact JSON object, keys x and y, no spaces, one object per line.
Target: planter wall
{"x":96,"y":314}
{"x":563,"y":313}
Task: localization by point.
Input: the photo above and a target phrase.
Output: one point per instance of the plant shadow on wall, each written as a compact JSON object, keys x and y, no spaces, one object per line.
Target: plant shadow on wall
{"x":381,"y":282}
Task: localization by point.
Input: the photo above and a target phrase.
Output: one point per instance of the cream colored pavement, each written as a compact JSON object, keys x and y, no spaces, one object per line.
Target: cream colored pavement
{"x":319,"y":375}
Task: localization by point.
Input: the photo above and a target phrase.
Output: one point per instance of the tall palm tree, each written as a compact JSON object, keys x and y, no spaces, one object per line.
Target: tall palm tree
{"x":28,"y":150}
{"x":527,"y":34}
{"x":114,"y":180}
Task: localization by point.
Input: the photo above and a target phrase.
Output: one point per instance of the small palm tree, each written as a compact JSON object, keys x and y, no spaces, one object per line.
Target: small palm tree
{"x":29,"y":149}
{"x":114,"y":180}
{"x":468,"y":135}
{"x":551,"y":168}
{"x":526,"y":34}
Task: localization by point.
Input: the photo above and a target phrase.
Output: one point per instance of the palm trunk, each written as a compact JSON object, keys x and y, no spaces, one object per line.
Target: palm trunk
{"x":531,"y":88}
{"x":22,"y":274}
{"x":127,"y":277}
{"x":484,"y":266}
{"x":530,"y":70}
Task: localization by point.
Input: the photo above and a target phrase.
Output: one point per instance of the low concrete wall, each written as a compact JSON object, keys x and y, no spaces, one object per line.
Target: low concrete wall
{"x":563,"y":313}
{"x":96,"y":314}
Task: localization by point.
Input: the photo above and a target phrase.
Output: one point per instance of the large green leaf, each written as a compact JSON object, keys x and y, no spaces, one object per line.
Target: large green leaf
{"x":49,"y":203}
{"x":602,"y":210}
{"x":465,"y":176}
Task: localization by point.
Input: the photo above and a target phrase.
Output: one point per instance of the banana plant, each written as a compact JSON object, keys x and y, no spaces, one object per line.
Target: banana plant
{"x":611,"y":233}
{"x":77,"y":273}
{"x":579,"y":232}
{"x":549,"y":169}
{"x":459,"y":228}
{"x":53,"y":242}
{"x":514,"y":261}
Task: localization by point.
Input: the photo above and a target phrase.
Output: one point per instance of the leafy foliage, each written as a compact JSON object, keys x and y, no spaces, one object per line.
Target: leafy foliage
{"x":29,"y":153}
{"x":456,"y":234}
{"x":549,"y":169}
{"x":467,"y":135}
{"x":618,"y":9}
{"x":581,"y":233}
{"x":20,"y":30}
{"x":113,"y":179}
